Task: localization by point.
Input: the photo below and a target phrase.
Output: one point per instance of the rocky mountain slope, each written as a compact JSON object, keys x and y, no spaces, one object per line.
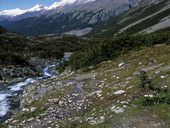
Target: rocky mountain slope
{"x":70,"y":16}
{"x":106,"y":97}
{"x":143,"y":19}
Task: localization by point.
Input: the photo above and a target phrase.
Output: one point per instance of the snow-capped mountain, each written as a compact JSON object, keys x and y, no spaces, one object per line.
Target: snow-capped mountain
{"x":68,"y":2}
{"x":17,"y":11}
{"x":12,"y":12}
{"x":67,"y":16}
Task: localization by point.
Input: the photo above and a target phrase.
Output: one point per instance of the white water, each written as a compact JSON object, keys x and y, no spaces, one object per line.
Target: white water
{"x":19,"y":86}
{"x":3,"y":104}
{"x":46,"y":71}
{"x":12,"y":90}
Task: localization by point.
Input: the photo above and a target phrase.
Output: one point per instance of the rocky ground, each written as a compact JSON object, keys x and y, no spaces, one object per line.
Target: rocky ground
{"x":106,"y":97}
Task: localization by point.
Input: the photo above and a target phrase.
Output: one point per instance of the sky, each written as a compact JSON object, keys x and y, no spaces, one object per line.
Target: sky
{"x":23,"y":4}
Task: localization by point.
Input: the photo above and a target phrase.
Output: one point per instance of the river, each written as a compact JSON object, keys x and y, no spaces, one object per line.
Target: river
{"x":9,"y":96}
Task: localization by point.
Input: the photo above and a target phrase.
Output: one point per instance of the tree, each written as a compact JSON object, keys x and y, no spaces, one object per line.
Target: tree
{"x":145,"y":81}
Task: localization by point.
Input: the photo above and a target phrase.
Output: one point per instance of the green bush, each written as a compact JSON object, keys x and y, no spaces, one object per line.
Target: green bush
{"x":145,"y":81}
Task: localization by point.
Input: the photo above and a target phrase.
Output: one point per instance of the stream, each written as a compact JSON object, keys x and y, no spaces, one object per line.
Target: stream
{"x":9,"y":96}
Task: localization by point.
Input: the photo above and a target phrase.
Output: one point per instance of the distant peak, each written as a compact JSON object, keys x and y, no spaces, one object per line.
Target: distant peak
{"x":68,"y":2}
{"x":37,"y":7}
{"x":17,"y":11}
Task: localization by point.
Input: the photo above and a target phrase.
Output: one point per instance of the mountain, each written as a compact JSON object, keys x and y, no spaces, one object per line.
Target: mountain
{"x":15,"y":12}
{"x":145,"y":18}
{"x":74,"y":16}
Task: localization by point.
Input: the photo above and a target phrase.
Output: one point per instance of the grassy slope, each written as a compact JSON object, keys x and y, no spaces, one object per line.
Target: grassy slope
{"x":110,"y":78}
{"x":148,"y":23}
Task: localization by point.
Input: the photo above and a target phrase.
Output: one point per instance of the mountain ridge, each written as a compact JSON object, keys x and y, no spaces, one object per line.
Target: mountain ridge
{"x":72,"y":16}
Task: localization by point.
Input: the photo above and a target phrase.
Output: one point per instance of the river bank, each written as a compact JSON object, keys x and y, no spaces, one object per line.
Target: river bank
{"x":12,"y":90}
{"x":10,"y":94}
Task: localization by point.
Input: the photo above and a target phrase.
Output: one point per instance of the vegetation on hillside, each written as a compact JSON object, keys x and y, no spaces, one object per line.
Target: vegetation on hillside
{"x":109,"y":49}
{"x":18,"y":49}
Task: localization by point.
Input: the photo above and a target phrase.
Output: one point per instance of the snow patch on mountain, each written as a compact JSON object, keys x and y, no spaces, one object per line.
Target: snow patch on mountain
{"x":61,"y":3}
{"x":67,"y":2}
{"x":37,"y":8}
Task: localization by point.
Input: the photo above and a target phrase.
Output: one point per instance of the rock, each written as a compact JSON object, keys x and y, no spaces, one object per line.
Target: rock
{"x":157,"y":72}
{"x":25,"y":110}
{"x":31,"y":119}
{"x":140,"y":63}
{"x":149,"y":96}
{"x":117,"y":109}
{"x":121,"y":64}
{"x":61,"y":103}
{"x":117,"y":77}
{"x":102,"y":119}
{"x":53,"y":100}
{"x":162,"y":77}
{"x":119,"y":92}
{"x":113,"y":107}
{"x":98,"y":93}
{"x":33,"y":109}
{"x":15,"y":121}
